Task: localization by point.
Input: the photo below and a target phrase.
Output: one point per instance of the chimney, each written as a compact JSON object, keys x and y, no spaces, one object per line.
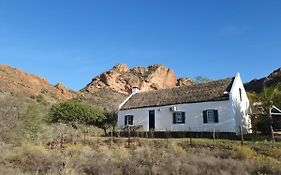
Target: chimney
{"x":135,"y":90}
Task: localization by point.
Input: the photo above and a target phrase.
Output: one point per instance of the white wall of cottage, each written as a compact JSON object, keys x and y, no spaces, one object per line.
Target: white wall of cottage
{"x":193,"y":117}
{"x":231,"y":114}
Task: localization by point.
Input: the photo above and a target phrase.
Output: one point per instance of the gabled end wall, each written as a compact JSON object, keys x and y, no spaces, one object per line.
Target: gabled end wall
{"x":240,"y":106}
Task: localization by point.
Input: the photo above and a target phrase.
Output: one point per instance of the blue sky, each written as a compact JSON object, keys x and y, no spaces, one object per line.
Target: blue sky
{"x":71,"y":41}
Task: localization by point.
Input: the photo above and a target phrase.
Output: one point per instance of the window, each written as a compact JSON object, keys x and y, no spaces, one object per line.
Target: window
{"x":210,"y":116}
{"x":240,"y":93}
{"x":178,"y":117}
{"x":129,"y":120}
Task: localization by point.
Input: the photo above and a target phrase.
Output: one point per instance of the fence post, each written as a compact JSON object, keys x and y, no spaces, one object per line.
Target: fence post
{"x":151,"y":133}
{"x":112,"y":135}
{"x":129,"y":137}
{"x":241,"y":135}
{"x":61,"y":141}
{"x":190,"y":137}
{"x":271,"y":127}
{"x":214,"y":134}
{"x":146,"y":135}
{"x":84,"y":136}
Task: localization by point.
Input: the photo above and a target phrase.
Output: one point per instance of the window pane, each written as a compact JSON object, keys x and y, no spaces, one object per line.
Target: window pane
{"x":129,"y":119}
{"x":179,"y":117}
{"x":210,"y":116}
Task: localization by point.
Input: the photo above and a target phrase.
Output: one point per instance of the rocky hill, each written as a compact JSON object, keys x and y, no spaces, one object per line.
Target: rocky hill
{"x":107,"y":90}
{"x":110,"y":88}
{"x":257,"y":85}
{"x":121,"y":79}
{"x":15,"y":81}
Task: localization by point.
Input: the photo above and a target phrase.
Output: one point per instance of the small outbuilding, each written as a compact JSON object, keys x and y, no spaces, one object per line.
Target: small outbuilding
{"x":220,"y":105}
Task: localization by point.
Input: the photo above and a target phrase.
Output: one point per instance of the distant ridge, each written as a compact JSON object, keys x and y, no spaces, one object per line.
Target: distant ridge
{"x":16,"y":81}
{"x":257,"y":85}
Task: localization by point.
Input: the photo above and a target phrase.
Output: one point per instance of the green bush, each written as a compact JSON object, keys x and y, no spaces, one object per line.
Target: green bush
{"x":74,"y":111}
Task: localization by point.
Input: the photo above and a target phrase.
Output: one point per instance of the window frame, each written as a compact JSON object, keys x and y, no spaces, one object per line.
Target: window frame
{"x":129,"y":120}
{"x":179,"y":119}
{"x":210,"y":119}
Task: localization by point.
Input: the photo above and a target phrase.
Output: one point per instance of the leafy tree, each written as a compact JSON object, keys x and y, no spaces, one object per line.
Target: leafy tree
{"x":277,"y":100}
{"x":201,"y":79}
{"x":109,"y":120}
{"x":269,"y":95}
{"x":73,"y":111}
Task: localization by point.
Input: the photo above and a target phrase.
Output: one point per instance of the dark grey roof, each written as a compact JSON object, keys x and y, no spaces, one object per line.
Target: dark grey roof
{"x":210,"y":91}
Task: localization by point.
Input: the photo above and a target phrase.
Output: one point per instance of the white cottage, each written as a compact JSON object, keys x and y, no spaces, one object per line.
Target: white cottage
{"x":220,"y":105}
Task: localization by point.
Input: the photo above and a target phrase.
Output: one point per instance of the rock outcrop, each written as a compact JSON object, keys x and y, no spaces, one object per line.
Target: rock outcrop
{"x":184,"y":82}
{"x":15,"y":81}
{"x":111,"y":88}
{"x":121,"y":79}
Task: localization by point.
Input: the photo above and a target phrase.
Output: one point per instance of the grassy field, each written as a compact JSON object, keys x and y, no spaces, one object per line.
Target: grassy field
{"x":103,"y":155}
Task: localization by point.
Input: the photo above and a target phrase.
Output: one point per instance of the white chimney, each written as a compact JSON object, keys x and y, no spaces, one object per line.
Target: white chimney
{"x":135,"y":90}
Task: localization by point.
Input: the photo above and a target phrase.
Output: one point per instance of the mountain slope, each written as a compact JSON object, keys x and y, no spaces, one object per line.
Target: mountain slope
{"x":25,"y":101}
{"x":258,"y":85}
{"x":15,"y":81}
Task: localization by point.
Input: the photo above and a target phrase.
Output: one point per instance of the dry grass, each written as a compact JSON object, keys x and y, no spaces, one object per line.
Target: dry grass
{"x":97,"y":155}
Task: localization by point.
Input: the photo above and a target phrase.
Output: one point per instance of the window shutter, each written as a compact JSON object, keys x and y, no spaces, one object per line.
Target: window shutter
{"x":205,"y":117}
{"x":216,"y":116}
{"x":126,"y":119}
{"x":174,"y":118}
{"x":132,"y":120}
{"x":183,"y":117}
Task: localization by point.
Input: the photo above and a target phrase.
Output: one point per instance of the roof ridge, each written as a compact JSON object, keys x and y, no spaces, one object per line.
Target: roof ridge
{"x":192,"y":85}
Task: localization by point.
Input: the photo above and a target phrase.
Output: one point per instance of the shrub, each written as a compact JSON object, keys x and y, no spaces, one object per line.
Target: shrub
{"x":38,"y":98}
{"x":44,"y":91}
{"x":35,"y":159}
{"x":74,"y":111}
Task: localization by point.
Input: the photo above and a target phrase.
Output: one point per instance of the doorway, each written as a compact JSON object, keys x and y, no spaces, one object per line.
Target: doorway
{"x":151,"y":119}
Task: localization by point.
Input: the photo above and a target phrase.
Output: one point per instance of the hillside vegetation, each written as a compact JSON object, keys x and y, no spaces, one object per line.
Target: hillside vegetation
{"x":94,"y":155}
{"x":22,"y":118}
